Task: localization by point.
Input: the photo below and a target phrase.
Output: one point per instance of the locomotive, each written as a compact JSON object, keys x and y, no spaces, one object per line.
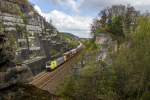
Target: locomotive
{"x":51,"y":65}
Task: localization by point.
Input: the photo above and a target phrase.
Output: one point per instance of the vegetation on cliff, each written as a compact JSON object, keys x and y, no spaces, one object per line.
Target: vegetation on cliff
{"x":127,"y":78}
{"x":118,"y":20}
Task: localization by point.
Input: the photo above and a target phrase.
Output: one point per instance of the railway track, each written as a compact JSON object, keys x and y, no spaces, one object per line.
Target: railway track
{"x":41,"y":77}
{"x":54,"y":82}
{"x":53,"y":77}
{"x":49,"y":81}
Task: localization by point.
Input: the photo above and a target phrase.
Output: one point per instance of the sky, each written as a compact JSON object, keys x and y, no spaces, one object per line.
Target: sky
{"x":75,"y":16}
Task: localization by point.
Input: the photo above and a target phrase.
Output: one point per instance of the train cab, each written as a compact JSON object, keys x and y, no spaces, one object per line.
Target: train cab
{"x":51,"y":65}
{"x":48,"y":67}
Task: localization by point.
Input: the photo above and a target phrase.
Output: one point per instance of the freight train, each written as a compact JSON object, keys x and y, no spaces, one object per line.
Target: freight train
{"x":51,"y":65}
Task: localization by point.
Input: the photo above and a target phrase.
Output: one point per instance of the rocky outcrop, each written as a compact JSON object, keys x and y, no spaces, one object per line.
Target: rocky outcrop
{"x":25,"y":33}
{"x":29,"y":42}
{"x":26,"y":92}
{"x":18,"y":74}
{"x":37,"y":65}
{"x":108,"y":46}
{"x":26,"y":30}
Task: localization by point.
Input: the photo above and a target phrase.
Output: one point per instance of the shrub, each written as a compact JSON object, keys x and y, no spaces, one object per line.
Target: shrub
{"x":128,"y":78}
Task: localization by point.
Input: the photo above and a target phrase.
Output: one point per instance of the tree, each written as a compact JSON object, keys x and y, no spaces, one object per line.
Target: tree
{"x":103,"y":18}
{"x":128,"y":78}
{"x":125,"y":17}
{"x":131,"y":64}
{"x":94,"y":28}
{"x":116,"y":26}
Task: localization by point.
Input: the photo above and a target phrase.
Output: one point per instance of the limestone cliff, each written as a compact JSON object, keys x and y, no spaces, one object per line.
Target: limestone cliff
{"x":108,"y":47}
{"x":27,"y":31}
{"x":28,"y":39}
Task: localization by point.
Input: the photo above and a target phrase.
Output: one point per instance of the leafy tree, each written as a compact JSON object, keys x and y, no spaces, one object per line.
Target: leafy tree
{"x":116,"y":27}
{"x":118,"y":19}
{"x":132,"y":66}
{"x":126,"y":79}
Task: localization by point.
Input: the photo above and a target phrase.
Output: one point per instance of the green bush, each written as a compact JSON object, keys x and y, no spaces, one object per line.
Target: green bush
{"x":128,"y":78}
{"x":116,"y":27}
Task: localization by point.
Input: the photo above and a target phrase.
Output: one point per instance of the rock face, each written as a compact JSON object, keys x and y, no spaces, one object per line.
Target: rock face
{"x":108,"y":46}
{"x":26,"y":92}
{"x":26,"y":30}
{"x":30,"y":40}
{"x":18,"y":74}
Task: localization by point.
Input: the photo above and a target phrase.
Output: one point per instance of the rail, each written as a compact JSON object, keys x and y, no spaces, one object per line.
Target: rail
{"x":49,"y":80}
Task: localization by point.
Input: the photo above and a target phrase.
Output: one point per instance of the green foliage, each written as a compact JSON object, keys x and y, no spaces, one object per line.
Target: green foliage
{"x":101,"y":30}
{"x":53,"y":52}
{"x":118,"y":20}
{"x":23,"y":16}
{"x":93,"y":83}
{"x":25,"y":2}
{"x":116,"y":27}
{"x":128,"y":78}
{"x":132,"y":64}
{"x":91,"y":45}
{"x":73,"y":42}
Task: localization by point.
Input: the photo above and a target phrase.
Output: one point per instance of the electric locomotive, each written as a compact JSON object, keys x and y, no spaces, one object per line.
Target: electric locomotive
{"x":51,"y":65}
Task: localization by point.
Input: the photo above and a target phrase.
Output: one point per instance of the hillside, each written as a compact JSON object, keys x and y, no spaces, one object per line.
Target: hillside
{"x":70,"y":38}
{"x":27,"y":41}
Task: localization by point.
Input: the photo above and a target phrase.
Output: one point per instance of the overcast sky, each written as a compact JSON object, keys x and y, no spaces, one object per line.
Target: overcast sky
{"x":75,"y":16}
